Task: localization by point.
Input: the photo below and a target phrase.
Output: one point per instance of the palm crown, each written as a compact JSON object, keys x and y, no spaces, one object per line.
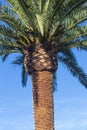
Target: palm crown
{"x":52,"y":23}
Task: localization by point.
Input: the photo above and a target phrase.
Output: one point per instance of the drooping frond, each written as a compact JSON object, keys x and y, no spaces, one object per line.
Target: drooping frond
{"x":77,"y":32}
{"x":26,"y":11}
{"x":75,"y":17}
{"x":29,"y":9}
{"x":20,"y":62}
{"x":70,"y":62}
{"x":8,"y":32}
{"x":24,"y":76}
{"x":6,"y":50}
{"x":4,"y":57}
{"x":71,"y":5}
{"x":11,"y":19}
{"x":74,"y":37}
{"x":8,"y":46}
{"x":63,"y":12}
{"x":78,"y":44}
{"x":16,"y":7}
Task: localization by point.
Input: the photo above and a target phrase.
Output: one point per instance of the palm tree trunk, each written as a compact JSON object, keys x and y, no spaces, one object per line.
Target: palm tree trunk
{"x":42,"y":83}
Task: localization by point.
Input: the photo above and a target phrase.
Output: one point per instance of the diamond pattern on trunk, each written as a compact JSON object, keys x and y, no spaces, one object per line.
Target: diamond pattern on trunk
{"x":40,"y":59}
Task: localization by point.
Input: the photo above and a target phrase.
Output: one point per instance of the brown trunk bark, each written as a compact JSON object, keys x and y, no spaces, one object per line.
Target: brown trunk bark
{"x":42,"y":82}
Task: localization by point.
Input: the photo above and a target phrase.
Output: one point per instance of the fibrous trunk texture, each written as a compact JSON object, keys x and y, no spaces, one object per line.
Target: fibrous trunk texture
{"x":40,"y":58}
{"x":42,"y":86}
{"x":41,"y":63}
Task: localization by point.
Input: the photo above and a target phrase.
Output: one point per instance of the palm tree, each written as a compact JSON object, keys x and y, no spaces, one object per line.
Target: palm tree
{"x":44,"y":32}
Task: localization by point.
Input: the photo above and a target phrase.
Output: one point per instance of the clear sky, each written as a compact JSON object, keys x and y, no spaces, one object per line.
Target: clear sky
{"x":16,"y":111}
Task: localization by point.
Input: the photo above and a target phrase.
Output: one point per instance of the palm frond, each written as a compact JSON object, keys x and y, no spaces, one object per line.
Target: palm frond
{"x":72,"y":5}
{"x":24,"y":76}
{"x":13,"y":22}
{"x":16,"y":7}
{"x":14,"y":27}
{"x":78,"y":44}
{"x":42,"y":16}
{"x":74,"y":33}
{"x":46,"y":6}
{"x":8,"y":46}
{"x":10,"y":43}
{"x":54,"y":82}
{"x":61,"y":17}
{"x":72,"y":65}
{"x":40,"y":23}
{"x":76,"y":17}
{"x":8,"y":32}
{"x":73,"y":38}
{"x":46,"y":13}
{"x":20,"y":62}
{"x":4,"y":51}
{"x":29,"y":8}
{"x":4,"y":57}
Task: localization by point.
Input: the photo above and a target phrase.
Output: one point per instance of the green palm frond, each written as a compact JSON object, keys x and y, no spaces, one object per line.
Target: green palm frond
{"x":60,"y":17}
{"x":74,"y":33}
{"x":43,"y":16}
{"x":26,"y":11}
{"x":41,"y":6}
{"x":13,"y":22}
{"x":76,"y":17}
{"x":78,"y":44}
{"x":10,"y":43}
{"x":69,"y":53}
{"x":46,"y":7}
{"x":16,"y":7}
{"x":40,"y":23}
{"x":8,"y":46}
{"x":29,"y":8}
{"x":57,"y":5}
{"x":71,"y":5}
{"x":69,"y":61}
{"x":72,"y":38}
{"x":4,"y":51}
{"x":8,"y":32}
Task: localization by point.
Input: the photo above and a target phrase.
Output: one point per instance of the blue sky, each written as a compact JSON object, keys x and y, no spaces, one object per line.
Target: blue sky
{"x":70,"y":99}
{"x":16,"y":111}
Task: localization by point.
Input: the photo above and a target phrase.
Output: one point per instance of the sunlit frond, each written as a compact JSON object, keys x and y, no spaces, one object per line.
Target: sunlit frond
{"x":76,"y":17}
{"x":19,"y":11}
{"x":74,"y":34}
{"x":13,"y":22}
